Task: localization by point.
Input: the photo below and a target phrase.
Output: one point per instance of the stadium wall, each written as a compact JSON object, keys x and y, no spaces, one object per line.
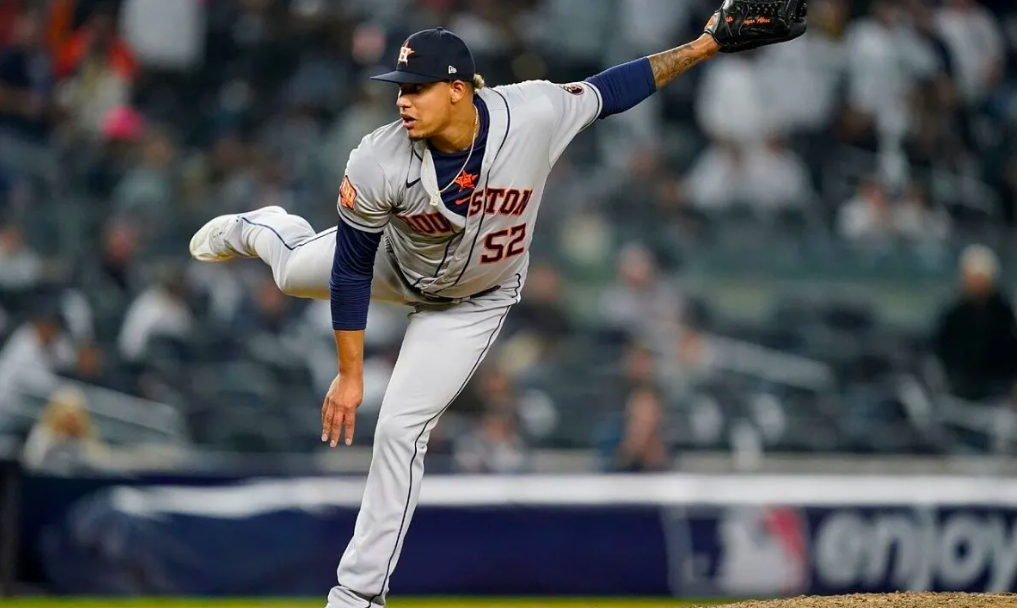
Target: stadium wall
{"x":682,"y":535}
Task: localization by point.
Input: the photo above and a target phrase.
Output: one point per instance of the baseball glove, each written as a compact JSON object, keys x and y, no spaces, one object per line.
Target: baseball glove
{"x":742,"y":25}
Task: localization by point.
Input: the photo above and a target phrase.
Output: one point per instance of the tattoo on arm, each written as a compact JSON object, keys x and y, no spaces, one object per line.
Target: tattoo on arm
{"x":668,"y":65}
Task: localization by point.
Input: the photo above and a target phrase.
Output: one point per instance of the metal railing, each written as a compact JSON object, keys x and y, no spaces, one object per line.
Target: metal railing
{"x":118,"y":417}
{"x":772,"y":365}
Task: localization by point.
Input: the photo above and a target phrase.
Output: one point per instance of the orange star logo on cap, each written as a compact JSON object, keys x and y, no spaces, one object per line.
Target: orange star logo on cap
{"x":404,"y":53}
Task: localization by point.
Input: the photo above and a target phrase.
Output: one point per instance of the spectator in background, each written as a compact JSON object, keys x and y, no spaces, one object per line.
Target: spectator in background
{"x":28,"y":112}
{"x":642,"y":447}
{"x":488,"y":28}
{"x":762,"y":178}
{"x":371,"y":107}
{"x":917,"y":220}
{"x":939,"y":133}
{"x":936,"y":139}
{"x":494,"y":446}
{"x":110,"y":277}
{"x":122,"y":132}
{"x":26,"y":83}
{"x":146,"y":194}
{"x":693,"y":358}
{"x":641,"y":181}
{"x":733,"y":86}
{"x":640,"y":368}
{"x":571,"y":35}
{"x":97,"y":69}
{"x":493,"y":440}
{"x":93,"y":366}
{"x":777,"y":178}
{"x":264,"y":322}
{"x":76,"y":314}
{"x":165,"y":36}
{"x":20,"y":267}
{"x":542,"y":312}
{"x":64,"y":441}
{"x":886,"y":58}
{"x":975,"y":338}
{"x":873,"y":216}
{"x":640,"y":28}
{"x":271,"y":183}
{"x":640,"y":300}
{"x":161,"y":310}
{"x":263,"y":309}
{"x":231,"y":174}
{"x":495,"y":390}
{"x":35,"y":353}
{"x":866,"y":217}
{"x":803,"y":82}
{"x":977,"y":48}
{"x":630,"y":438}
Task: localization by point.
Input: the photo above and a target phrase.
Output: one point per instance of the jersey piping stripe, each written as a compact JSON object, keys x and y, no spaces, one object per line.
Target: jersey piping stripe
{"x":508,"y":121}
{"x":480,"y":226}
{"x":444,"y":256}
{"x":395,"y":267}
{"x":409,"y":493}
{"x":600,"y":104}
{"x":283,"y":241}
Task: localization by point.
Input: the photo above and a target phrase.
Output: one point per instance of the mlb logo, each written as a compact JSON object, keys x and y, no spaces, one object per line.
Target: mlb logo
{"x":347,"y":193}
{"x":750,"y":551}
{"x":573,"y":87}
{"x":763,"y":552}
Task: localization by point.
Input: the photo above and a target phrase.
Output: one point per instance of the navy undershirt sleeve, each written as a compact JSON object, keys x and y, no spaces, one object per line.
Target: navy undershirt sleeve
{"x":624,"y":86}
{"x":352,"y":271}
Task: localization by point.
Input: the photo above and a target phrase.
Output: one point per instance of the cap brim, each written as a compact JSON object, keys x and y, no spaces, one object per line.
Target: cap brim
{"x":402,"y":77}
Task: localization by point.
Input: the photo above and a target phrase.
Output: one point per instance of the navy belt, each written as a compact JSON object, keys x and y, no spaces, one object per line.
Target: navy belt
{"x":446,"y":300}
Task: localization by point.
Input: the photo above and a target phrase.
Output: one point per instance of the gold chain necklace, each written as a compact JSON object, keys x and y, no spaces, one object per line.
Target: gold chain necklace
{"x":436,"y":198}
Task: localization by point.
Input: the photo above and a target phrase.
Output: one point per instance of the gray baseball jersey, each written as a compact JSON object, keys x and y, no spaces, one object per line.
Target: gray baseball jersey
{"x":427,"y":252}
{"x":390,"y":184}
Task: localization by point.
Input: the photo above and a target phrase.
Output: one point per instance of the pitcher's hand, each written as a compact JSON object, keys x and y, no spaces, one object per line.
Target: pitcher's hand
{"x":339,"y":411}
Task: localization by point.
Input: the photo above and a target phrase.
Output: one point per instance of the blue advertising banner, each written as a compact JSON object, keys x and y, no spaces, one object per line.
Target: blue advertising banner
{"x":613,"y":535}
{"x":778,"y":550}
{"x":46,"y":501}
{"x":107,"y":547}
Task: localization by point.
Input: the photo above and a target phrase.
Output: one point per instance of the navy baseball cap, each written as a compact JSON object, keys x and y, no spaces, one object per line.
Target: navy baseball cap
{"x":432,"y":56}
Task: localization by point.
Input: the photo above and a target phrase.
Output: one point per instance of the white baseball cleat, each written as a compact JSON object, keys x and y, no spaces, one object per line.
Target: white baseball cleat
{"x":211,"y":243}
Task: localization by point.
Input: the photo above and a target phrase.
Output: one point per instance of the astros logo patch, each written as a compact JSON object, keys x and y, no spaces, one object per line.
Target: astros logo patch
{"x":466,"y":180}
{"x":347,"y":193}
{"x":574,"y":88}
{"x":404,"y":54}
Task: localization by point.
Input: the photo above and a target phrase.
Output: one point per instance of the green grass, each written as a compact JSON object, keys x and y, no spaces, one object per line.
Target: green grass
{"x":480,"y":602}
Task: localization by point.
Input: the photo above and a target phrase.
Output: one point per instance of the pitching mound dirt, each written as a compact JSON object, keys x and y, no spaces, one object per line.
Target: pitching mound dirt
{"x":894,"y":600}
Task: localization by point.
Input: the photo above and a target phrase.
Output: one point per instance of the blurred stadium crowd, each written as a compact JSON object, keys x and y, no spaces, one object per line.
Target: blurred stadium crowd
{"x":763,"y":257}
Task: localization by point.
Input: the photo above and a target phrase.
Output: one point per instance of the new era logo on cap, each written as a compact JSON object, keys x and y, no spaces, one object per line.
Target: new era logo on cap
{"x":431,"y":56}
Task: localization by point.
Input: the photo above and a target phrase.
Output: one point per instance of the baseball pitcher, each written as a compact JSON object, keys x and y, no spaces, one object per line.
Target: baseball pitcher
{"x":437,"y":210}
